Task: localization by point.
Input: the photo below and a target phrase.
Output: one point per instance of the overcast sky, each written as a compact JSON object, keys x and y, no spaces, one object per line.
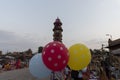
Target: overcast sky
{"x":28,"y":23}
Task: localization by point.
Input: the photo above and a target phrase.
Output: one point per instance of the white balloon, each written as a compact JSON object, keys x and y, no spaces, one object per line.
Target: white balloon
{"x":37,"y":67}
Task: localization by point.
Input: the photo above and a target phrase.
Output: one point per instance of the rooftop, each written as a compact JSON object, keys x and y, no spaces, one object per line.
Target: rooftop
{"x":114,"y":42}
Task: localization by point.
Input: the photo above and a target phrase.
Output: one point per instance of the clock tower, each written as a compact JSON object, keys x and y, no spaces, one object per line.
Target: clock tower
{"x":57,"y":36}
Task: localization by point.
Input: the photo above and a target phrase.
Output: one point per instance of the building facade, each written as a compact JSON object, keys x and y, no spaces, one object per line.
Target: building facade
{"x":114,"y":46}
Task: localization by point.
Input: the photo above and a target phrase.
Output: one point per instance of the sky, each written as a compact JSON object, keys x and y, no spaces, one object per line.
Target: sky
{"x":28,"y":24}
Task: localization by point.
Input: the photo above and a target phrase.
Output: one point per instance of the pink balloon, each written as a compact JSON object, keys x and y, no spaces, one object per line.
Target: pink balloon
{"x":55,"y":56}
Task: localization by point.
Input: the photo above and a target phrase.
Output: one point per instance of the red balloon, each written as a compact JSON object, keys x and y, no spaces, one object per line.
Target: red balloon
{"x":55,"y":56}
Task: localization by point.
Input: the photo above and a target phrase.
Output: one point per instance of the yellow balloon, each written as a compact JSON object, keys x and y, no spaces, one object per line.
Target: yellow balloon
{"x":79,"y":57}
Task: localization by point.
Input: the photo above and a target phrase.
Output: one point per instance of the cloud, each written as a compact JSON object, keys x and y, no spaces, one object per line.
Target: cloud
{"x":10,"y":41}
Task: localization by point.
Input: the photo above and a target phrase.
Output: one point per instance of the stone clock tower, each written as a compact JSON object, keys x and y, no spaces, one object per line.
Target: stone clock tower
{"x":57,"y":36}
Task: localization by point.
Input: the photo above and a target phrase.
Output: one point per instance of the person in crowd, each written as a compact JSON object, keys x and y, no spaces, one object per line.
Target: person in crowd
{"x":102,"y":74}
{"x":67,"y":73}
{"x":57,"y":75}
{"x":0,"y":67}
{"x":7,"y":67}
{"x":86,"y":73}
{"x":74,"y":74}
{"x":52,"y":76}
{"x":18,"y":64}
{"x":80,"y":75}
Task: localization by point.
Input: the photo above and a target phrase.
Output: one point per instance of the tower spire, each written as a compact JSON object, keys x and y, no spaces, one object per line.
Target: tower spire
{"x":57,"y":36}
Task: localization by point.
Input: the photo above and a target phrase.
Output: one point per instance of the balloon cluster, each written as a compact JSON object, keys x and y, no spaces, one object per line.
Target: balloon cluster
{"x":55,"y":57}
